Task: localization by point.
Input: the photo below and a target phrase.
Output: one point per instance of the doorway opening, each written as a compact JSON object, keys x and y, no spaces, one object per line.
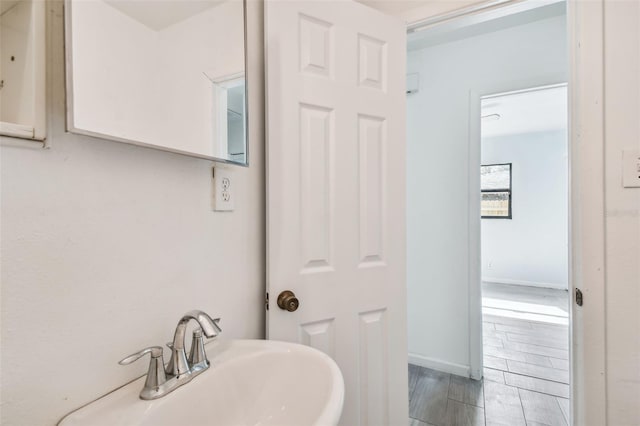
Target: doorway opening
{"x":524,"y":246}
{"x":474,"y":84}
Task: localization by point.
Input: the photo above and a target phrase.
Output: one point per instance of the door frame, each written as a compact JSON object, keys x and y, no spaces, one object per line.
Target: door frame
{"x":585,"y":28}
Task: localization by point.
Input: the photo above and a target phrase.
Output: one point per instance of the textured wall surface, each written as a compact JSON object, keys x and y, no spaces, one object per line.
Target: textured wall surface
{"x":622,"y":109}
{"x":106,"y":245}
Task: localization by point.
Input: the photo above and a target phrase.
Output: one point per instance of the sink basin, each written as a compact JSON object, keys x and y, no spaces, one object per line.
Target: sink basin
{"x":250,"y":382}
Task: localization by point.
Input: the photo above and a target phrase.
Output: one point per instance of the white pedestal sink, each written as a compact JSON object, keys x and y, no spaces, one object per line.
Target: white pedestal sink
{"x":250,"y":382}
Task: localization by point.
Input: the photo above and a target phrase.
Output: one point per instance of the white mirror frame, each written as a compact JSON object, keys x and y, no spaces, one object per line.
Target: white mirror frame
{"x":68,"y":49}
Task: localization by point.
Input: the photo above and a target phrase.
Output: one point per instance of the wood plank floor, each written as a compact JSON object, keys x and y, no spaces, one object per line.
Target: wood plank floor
{"x":526,"y":374}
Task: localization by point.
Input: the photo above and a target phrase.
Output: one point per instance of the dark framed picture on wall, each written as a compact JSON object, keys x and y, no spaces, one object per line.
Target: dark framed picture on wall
{"x":495,"y":184}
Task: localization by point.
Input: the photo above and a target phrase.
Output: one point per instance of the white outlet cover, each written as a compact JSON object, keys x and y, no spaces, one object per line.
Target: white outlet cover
{"x":631,"y":169}
{"x":223,"y":190}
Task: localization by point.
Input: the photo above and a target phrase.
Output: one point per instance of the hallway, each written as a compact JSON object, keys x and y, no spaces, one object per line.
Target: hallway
{"x":526,"y":360}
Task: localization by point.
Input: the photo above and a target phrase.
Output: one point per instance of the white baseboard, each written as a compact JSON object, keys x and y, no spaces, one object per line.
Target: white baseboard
{"x":439,"y":365}
{"x":522,"y":282}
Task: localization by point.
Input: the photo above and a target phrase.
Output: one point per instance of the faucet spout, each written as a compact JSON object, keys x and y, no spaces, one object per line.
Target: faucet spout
{"x":179,"y":364}
{"x":209,"y":327}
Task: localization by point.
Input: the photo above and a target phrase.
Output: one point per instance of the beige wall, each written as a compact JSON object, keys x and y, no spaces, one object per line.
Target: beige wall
{"x":622,"y":210}
{"x":105,"y":245}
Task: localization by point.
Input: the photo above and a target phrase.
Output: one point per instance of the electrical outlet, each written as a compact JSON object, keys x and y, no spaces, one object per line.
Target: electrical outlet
{"x":223,"y":190}
{"x":631,"y":169}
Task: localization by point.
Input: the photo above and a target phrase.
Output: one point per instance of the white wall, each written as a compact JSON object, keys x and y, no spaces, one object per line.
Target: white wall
{"x":622,"y":210}
{"x":532,"y":247}
{"x":531,"y":55}
{"x":104,"y":245}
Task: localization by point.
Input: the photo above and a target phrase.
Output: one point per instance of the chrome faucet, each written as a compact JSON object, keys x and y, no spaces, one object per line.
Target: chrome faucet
{"x":180,"y":370}
{"x":179,"y":365}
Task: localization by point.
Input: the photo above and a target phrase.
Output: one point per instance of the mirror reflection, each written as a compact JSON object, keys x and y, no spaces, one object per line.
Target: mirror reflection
{"x":159,"y":73}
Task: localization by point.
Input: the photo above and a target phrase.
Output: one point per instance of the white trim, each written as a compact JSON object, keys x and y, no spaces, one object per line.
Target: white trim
{"x":587,"y":209}
{"x":39,"y":72}
{"x":480,"y":8}
{"x":527,"y":90}
{"x":526,"y":283}
{"x":16,"y":130}
{"x":227,"y":78}
{"x":478,"y":13}
{"x":474,"y":246}
{"x":68,"y":67}
{"x":439,"y":365}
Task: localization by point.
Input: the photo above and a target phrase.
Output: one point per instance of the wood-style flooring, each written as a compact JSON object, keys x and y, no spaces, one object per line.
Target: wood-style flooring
{"x":526,"y":366}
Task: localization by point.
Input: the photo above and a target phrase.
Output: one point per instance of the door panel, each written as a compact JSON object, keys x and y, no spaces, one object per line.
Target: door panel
{"x":336,"y":195}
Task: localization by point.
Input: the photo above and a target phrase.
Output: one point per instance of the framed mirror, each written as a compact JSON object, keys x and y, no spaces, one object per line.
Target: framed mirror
{"x":166,"y":74}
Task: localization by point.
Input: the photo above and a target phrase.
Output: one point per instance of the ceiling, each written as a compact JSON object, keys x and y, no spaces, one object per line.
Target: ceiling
{"x":160,"y":14}
{"x":537,"y":110}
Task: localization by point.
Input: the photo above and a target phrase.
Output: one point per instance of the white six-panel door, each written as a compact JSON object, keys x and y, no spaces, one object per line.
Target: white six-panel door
{"x":336,"y":195}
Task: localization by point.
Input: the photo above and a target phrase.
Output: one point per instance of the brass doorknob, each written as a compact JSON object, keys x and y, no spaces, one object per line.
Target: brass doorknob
{"x":288,"y":301}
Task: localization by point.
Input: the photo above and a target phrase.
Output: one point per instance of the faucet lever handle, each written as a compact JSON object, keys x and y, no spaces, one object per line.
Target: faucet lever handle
{"x":156,"y":375}
{"x":155,"y":351}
